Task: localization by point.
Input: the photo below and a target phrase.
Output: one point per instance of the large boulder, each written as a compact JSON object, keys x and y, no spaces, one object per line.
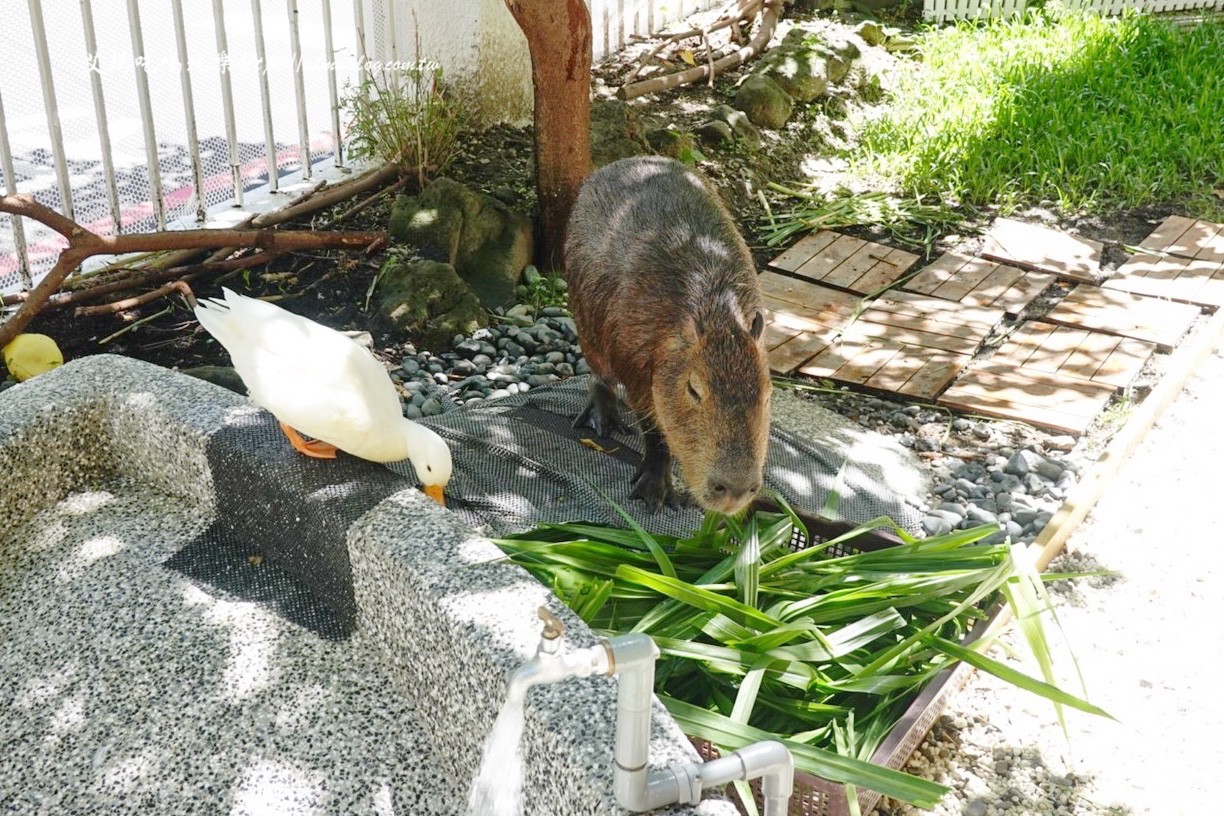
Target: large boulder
{"x":426,"y":300}
{"x":485,"y":241}
{"x":764,"y":102}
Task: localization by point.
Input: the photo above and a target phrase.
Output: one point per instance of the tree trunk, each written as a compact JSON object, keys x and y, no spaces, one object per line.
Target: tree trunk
{"x":559,"y":37}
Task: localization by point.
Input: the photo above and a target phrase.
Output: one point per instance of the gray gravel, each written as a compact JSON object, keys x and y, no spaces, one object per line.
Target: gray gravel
{"x":982,"y":472}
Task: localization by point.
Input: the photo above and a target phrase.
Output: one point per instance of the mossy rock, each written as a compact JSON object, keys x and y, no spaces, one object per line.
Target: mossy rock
{"x":670,"y":143}
{"x":799,"y":68}
{"x":427,"y":301}
{"x":764,"y":102}
{"x":617,"y":132}
{"x":486,"y":242}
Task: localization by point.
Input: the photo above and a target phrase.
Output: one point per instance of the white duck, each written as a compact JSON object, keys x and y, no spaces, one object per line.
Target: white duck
{"x":322,"y":383}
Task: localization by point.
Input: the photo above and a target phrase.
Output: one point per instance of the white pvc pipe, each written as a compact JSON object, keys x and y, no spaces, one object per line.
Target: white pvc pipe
{"x":227,"y":100}
{"x":299,"y":86}
{"x":99,"y":100}
{"x":10,"y":184}
{"x":43,"y":56}
{"x":146,"y":113}
{"x":330,"y":46}
{"x":193,"y":140}
{"x":265,"y":96}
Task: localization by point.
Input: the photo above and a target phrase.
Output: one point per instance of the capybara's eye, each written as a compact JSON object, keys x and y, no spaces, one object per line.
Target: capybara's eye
{"x":693,"y":392}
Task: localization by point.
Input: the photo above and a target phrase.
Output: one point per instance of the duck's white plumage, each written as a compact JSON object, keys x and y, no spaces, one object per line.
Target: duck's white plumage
{"x":321,"y":383}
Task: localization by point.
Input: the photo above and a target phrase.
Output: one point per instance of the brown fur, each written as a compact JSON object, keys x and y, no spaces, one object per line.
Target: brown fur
{"x":667,"y":303}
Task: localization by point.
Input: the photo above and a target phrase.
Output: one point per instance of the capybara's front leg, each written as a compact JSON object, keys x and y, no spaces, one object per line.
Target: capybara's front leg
{"x":653,"y":482}
{"x":600,"y":412}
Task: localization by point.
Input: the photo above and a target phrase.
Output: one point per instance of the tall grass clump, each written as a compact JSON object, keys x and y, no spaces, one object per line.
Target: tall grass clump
{"x":1074,"y":110}
{"x":412,"y":120}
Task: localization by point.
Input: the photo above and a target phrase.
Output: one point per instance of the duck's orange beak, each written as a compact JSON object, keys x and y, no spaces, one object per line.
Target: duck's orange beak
{"x":435,"y":492}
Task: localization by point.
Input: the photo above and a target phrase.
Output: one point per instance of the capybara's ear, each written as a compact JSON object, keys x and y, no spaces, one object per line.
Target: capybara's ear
{"x":758,"y":326}
{"x":688,"y":331}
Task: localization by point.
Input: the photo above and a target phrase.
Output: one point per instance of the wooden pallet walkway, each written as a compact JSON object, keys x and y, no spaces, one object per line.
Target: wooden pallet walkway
{"x":1076,"y":353}
{"x":974,"y":281}
{"x":920,"y":339}
{"x":906,"y":343}
{"x":886,"y":365}
{"x":1028,"y":395}
{"x":1107,"y":310}
{"x":1176,"y":235}
{"x":845,"y":262}
{"x":801,"y":318}
{"x":1186,"y":280}
{"x":1033,"y":246}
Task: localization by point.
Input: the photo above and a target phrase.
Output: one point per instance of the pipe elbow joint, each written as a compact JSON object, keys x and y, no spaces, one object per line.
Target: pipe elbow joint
{"x":772,"y":762}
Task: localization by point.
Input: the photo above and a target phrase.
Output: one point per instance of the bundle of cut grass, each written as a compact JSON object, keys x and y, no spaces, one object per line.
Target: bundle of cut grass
{"x":767,"y":632}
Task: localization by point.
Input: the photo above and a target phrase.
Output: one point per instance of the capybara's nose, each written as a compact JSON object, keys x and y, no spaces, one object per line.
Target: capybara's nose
{"x":730,"y":490}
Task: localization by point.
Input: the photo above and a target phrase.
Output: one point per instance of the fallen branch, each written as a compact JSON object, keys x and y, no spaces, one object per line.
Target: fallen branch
{"x":187,"y":272}
{"x":770,"y":12}
{"x":131,"y":303}
{"x":747,"y":12}
{"x":84,"y":244}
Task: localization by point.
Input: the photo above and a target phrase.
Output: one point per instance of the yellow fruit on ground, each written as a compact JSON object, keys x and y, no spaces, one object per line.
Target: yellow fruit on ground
{"x":29,"y":355}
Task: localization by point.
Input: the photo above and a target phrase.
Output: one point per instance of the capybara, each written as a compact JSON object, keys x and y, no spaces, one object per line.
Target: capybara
{"x":665,"y":295}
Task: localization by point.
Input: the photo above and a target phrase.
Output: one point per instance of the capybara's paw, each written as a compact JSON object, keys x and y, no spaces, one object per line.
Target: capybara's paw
{"x":601,"y":418}
{"x":654,"y":487}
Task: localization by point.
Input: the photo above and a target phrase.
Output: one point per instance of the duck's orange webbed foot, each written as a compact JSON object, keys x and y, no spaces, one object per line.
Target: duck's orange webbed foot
{"x":313,"y":448}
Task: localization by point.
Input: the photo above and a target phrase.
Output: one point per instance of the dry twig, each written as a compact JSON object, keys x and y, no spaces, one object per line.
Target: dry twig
{"x":769,"y":12}
{"x":83,"y":244}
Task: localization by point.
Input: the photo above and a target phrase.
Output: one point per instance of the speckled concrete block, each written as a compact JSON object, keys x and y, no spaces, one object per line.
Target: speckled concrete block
{"x":398,"y":713}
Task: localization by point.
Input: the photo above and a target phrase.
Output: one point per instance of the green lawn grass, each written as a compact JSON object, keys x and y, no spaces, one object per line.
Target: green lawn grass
{"x":1078,"y":112}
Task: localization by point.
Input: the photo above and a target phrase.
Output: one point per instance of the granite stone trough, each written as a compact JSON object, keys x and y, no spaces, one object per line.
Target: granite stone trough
{"x":143,"y":668}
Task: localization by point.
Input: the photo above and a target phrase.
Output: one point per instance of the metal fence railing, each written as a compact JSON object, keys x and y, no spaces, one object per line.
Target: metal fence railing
{"x":135,"y":115}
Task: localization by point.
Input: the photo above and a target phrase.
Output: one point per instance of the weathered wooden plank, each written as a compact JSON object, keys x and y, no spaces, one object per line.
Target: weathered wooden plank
{"x":1201,"y":240}
{"x":902,"y":302}
{"x":846,"y":273}
{"x":1033,"y":246}
{"x":908,"y":361}
{"x":942,"y":270}
{"x":1073,"y":352}
{"x":909,"y":336}
{"x":979,"y":282}
{"x":832,"y":256}
{"x":940,"y":369}
{"x":819,"y":304}
{"x":798,"y":349}
{"x":830,"y":359}
{"x":1113,"y":312}
{"x":871,"y":357}
{"x":1187,"y":280}
{"x":888,"y":268}
{"x":804,"y":250}
{"x":1032,"y":396}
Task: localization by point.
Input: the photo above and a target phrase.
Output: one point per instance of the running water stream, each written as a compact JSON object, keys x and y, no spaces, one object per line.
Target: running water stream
{"x":498,"y":789}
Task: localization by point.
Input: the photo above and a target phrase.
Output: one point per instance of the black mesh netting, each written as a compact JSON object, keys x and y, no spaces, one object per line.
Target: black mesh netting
{"x":279,"y":535}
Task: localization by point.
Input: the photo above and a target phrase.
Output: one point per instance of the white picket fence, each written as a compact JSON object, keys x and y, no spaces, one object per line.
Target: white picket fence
{"x":938,"y":11}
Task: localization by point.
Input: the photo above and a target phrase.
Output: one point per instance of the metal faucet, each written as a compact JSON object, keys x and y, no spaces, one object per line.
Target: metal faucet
{"x":631,"y":658}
